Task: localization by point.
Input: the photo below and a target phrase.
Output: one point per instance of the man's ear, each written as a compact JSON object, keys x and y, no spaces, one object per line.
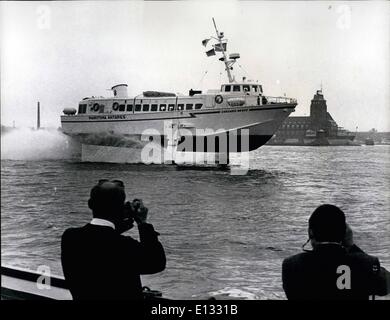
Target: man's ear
{"x":311,"y":234}
{"x":90,"y":204}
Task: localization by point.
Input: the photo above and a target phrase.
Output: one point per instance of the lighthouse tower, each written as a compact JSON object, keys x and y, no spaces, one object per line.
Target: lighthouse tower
{"x":318,"y":112}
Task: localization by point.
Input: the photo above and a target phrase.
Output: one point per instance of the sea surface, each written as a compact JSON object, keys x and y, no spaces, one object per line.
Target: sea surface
{"x":224,"y":235}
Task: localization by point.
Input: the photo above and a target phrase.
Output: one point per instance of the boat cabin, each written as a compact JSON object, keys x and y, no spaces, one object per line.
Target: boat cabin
{"x":242,"y":88}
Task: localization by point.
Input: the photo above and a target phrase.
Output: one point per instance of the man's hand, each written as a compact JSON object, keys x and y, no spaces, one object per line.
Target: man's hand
{"x":348,"y":238}
{"x":140,"y":211}
{"x":348,"y":242}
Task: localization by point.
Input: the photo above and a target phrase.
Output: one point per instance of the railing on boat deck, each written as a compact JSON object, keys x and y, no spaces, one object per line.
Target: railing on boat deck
{"x":253,"y":100}
{"x":21,"y":284}
{"x":272,"y":100}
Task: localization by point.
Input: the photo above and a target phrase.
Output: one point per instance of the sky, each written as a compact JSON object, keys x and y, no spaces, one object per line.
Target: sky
{"x":60,"y":52}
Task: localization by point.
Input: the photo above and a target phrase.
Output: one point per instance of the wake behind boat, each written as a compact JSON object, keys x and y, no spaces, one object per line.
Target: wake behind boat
{"x":236,"y":109}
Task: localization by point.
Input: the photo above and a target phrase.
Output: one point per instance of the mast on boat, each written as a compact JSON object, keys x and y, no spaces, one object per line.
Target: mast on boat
{"x":221,"y":47}
{"x":220,"y":36}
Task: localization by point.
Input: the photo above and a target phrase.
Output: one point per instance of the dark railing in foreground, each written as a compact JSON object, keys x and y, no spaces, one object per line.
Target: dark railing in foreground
{"x":21,"y":284}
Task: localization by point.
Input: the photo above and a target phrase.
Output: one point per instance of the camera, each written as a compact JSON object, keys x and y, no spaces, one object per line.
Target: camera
{"x":131,"y":208}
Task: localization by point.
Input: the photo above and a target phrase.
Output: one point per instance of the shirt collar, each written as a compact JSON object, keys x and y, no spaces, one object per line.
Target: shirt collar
{"x":102,"y":222}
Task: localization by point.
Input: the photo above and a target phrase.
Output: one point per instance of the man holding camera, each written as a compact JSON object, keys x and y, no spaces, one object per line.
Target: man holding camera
{"x":336,"y":269}
{"x":101,"y":264}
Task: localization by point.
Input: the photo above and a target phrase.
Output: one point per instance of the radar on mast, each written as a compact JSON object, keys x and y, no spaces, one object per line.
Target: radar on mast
{"x":234,"y":56}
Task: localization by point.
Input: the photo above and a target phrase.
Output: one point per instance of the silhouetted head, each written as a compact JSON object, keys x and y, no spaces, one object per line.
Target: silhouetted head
{"x":327,"y":224}
{"x":107,"y":200}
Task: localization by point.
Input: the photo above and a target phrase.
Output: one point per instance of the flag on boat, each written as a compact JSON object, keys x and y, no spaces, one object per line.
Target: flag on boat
{"x":205,"y":41}
{"x":210,"y":53}
{"x":220,"y":46}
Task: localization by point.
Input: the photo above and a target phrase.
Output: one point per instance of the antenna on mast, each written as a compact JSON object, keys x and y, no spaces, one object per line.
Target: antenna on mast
{"x":221,"y":46}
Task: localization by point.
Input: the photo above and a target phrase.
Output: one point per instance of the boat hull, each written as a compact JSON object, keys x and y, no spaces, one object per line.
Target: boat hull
{"x":258,"y":123}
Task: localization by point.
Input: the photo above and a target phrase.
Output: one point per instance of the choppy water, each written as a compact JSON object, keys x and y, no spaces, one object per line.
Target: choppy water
{"x":223,"y":234}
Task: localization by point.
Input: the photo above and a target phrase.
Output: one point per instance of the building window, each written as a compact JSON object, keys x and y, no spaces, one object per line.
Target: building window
{"x":145,"y":107}
{"x":163,"y":107}
{"x":189,"y":106}
{"x":228,"y":88}
{"x":180,"y":106}
{"x":122,"y":107}
{"x":171,"y":107}
{"x":137,"y":107}
{"x":129,"y":107}
{"x":153,"y":107}
{"x":236,"y":88}
{"x":198,"y":106}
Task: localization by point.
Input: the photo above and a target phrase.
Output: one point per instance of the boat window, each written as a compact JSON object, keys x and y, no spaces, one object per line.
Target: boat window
{"x":101,"y":108}
{"x":236,"y":88}
{"x":254,"y":88}
{"x":163,"y":107}
{"x":129,"y":107}
{"x":145,"y":107}
{"x":246,"y":88}
{"x":82,"y":108}
{"x":153,"y":107}
{"x":198,"y":106}
{"x":180,"y":106}
{"x":189,"y":106}
{"x":121,"y":107}
{"x":137,"y":107}
{"x":228,"y":88}
{"x":261,"y":89}
{"x":171,"y":107}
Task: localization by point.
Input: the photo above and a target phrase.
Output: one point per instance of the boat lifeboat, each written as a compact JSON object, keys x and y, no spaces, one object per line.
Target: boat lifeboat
{"x":236,"y":102}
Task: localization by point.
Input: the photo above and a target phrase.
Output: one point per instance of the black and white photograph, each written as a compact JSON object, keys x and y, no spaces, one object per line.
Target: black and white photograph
{"x":199,"y":151}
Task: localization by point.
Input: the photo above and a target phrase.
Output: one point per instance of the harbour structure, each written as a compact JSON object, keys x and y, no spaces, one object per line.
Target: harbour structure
{"x":376,"y":137}
{"x":38,"y":116}
{"x":319,"y":128}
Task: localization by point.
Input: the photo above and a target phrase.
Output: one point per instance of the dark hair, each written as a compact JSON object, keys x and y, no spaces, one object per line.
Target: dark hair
{"x":105,"y":202}
{"x":327,"y":223}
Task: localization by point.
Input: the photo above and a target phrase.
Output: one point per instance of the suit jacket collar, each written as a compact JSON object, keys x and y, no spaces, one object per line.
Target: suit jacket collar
{"x":102,"y":223}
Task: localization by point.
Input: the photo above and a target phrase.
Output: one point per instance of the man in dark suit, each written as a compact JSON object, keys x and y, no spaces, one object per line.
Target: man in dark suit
{"x":336,"y":269}
{"x":100,"y":263}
